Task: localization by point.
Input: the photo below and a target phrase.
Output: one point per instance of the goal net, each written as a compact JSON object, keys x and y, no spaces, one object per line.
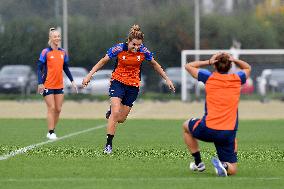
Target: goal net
{"x":264,"y":62}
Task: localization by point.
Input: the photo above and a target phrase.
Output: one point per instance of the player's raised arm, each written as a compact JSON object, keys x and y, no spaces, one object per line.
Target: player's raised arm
{"x":244,"y":66}
{"x":193,"y":67}
{"x":98,"y":66}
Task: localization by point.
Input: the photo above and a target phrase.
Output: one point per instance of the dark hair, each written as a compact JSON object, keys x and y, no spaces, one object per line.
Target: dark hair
{"x":223,"y":63}
{"x":135,"y":33}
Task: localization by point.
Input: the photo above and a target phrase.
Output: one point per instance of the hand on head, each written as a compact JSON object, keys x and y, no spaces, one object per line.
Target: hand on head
{"x":215,"y":58}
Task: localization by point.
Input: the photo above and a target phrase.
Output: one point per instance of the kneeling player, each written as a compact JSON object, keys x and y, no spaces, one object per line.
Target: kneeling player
{"x":220,"y":121}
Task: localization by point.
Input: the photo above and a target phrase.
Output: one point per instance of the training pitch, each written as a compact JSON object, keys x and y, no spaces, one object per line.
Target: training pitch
{"x":147,"y":154}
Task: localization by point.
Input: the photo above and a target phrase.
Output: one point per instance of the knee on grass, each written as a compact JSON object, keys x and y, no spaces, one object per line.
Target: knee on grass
{"x":232,"y":168}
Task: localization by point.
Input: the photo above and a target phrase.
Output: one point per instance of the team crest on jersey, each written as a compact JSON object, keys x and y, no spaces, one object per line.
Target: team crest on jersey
{"x":123,"y":58}
{"x":138,"y":58}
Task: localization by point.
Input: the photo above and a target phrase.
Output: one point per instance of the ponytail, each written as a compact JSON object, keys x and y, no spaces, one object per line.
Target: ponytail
{"x":135,"y":33}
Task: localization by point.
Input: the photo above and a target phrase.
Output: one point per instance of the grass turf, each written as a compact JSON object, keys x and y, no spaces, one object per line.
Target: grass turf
{"x":147,"y":154}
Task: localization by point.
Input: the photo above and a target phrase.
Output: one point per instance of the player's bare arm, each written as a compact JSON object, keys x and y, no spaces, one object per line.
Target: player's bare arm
{"x":97,"y":67}
{"x":244,"y":66}
{"x":157,"y":67}
{"x":193,"y":67}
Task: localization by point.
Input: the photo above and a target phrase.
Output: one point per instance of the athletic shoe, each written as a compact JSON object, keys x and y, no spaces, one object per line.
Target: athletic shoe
{"x":51,"y":136}
{"x":200,"y":167}
{"x":219,"y":168}
{"x":108,"y":114}
{"x":108,"y":149}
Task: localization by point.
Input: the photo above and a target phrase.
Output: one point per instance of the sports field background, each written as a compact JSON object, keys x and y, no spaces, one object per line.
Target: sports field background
{"x":141,"y":110}
{"x":147,"y":154}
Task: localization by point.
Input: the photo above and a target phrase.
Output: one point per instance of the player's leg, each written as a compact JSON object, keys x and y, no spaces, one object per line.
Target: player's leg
{"x":124,"y":111}
{"x":112,"y":122}
{"x":119,"y":113}
{"x":128,"y":99}
{"x":192,"y":144}
{"x":50,"y":103}
{"x":116,"y":89}
{"x":231,"y":168}
{"x":224,"y":168}
{"x":190,"y":141}
{"x":227,"y":154}
{"x":116,"y":107}
{"x":58,"y":98}
{"x":116,"y":93}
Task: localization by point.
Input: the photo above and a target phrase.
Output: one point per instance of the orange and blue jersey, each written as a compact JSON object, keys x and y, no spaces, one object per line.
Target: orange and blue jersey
{"x":50,"y":65}
{"x":222,"y":98}
{"x":128,"y":65}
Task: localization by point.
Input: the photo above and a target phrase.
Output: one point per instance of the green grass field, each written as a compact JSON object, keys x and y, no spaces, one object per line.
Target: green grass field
{"x":147,"y":154}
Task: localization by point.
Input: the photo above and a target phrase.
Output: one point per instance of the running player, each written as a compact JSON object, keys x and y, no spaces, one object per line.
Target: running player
{"x":125,"y":80}
{"x":51,"y":62}
{"x":220,"y":121}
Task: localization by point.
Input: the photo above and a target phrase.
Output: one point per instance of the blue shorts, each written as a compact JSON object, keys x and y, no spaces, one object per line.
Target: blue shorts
{"x":224,"y":141}
{"x":52,"y":91}
{"x":128,"y":94}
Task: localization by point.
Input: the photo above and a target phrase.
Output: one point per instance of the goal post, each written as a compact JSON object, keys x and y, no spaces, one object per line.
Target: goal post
{"x":253,"y":55}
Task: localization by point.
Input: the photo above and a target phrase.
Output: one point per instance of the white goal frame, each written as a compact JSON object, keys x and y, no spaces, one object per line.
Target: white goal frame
{"x":234,"y":52}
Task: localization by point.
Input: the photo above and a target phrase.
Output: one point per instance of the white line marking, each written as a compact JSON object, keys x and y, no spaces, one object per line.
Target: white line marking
{"x":78,"y":179}
{"x":30,"y":147}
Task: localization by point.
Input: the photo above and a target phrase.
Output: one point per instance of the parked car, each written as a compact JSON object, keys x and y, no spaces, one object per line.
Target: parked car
{"x":276,"y":80}
{"x":17,"y":79}
{"x":78,"y":74}
{"x":174,"y":73}
{"x":270,"y":80}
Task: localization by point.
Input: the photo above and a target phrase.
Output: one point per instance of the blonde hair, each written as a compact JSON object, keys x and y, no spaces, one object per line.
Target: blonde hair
{"x":51,"y":31}
{"x":135,"y":33}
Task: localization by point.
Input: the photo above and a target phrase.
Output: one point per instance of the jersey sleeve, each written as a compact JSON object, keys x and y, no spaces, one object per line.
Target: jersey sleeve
{"x":67,"y":71}
{"x":242,"y":76}
{"x":203,"y":75}
{"x":113,"y":51}
{"x":43,"y":54}
{"x":147,"y":53}
{"x":66,"y":66}
{"x":66,"y":57}
{"x":41,"y":69}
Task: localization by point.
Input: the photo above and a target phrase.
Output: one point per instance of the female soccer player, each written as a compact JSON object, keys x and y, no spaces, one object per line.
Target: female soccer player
{"x":51,"y":62}
{"x":125,"y":80}
{"x":220,"y":122}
